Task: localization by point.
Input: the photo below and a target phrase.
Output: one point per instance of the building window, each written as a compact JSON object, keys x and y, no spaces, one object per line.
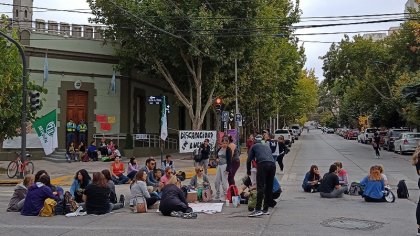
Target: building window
{"x":17,"y":13}
{"x":26,"y":14}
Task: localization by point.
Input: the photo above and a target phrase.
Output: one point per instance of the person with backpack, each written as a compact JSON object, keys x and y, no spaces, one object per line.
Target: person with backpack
{"x":203,"y":156}
{"x":36,"y":196}
{"x":373,"y":186}
{"x":235,"y":161}
{"x":415,"y":162}
{"x":224,"y":156}
{"x":81,"y":180}
{"x":266,"y":170}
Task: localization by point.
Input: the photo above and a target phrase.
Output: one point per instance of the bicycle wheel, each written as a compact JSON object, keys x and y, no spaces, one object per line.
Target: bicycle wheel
{"x":29,"y":168}
{"x":12,"y":169}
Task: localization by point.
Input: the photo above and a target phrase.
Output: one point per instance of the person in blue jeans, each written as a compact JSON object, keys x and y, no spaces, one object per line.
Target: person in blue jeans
{"x":373,"y":186}
{"x":311,"y":181}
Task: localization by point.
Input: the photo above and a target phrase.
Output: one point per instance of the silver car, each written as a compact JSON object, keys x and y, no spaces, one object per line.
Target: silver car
{"x":406,"y":142}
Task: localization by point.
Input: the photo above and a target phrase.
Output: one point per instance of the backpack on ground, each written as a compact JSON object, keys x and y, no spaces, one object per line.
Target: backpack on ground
{"x":49,"y":208}
{"x":252,"y":200}
{"x":355,"y":189}
{"x":402,"y":190}
{"x":232,"y":191}
{"x":206,"y":195}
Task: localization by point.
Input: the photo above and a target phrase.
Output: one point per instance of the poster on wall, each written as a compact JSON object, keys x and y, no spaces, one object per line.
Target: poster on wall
{"x":189,"y":140}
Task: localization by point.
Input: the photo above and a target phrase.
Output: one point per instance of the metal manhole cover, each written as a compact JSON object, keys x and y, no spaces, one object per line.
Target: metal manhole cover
{"x":352,"y":224}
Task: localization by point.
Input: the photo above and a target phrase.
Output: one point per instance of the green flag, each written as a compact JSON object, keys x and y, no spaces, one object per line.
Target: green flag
{"x":46,"y":129}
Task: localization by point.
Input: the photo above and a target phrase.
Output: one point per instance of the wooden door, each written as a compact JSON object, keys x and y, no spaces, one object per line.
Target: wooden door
{"x":77,"y":106}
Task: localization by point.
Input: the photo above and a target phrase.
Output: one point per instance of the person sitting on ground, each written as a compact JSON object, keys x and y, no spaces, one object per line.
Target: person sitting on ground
{"x":71,"y":153}
{"x":117,"y":172}
{"x":37,"y":193}
{"x":81,"y":150}
{"x":133,"y":168}
{"x":115,"y":153}
{"x":19,"y":194}
{"x":330,"y":186}
{"x":139,"y":192}
{"x":247,"y":186}
{"x":96,"y":196}
{"x":311,"y":180}
{"x":373,"y":186}
{"x":199,"y":180}
{"x":168,"y":176}
{"x":381,"y":170}
{"x":103,"y":147}
{"x":342,"y":174}
{"x":173,"y":202}
{"x":150,"y":165}
{"x":57,"y":189}
{"x":153,"y":178}
{"x":276,"y":189}
{"x":110,"y":147}
{"x":92,"y":151}
{"x":111,"y":186}
{"x":81,"y":180}
{"x":168,"y":162}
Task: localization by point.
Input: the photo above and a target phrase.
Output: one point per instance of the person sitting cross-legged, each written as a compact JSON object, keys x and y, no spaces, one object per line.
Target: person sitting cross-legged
{"x":18,"y":198}
{"x":117,"y":172}
{"x":311,"y":180}
{"x":330,"y":186}
{"x":37,"y":193}
{"x":373,"y":186}
{"x":139,"y":193}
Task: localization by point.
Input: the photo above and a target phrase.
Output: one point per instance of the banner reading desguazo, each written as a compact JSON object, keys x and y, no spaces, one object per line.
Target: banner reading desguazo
{"x":189,"y":140}
{"x":46,"y":130}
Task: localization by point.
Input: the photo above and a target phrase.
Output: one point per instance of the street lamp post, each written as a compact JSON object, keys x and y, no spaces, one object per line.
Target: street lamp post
{"x":24,"y":97}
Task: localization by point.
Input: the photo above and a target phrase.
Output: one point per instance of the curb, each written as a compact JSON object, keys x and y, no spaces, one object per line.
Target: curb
{"x":11,"y":182}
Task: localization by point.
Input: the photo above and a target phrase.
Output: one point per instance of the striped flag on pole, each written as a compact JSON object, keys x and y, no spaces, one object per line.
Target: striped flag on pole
{"x":112,"y":85}
{"x":164,"y":121}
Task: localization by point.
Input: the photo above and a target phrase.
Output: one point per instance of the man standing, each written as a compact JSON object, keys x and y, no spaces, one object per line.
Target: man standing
{"x":266,"y":170}
{"x":71,"y":129}
{"x":82,"y":130}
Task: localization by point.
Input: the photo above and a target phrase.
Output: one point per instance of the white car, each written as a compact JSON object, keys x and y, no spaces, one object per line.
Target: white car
{"x":406,"y":142}
{"x":286,"y":135}
{"x":368,"y":135}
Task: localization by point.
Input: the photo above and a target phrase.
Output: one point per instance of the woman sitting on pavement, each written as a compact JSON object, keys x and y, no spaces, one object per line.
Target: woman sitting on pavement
{"x":139,"y":192}
{"x":58,"y":189}
{"x":373,"y":186}
{"x":311,"y":181}
{"x":199,"y":180}
{"x":117,"y":172}
{"x":342,"y":174}
{"x":173,"y":202}
{"x":133,"y":168}
{"x":81,"y":180}
{"x":168,"y":176}
{"x":111,"y":186}
{"x":381,"y":170}
{"x":93,"y":151}
{"x":96,"y":196}
{"x":330,"y":186}
{"x":18,"y":198}
{"x":37,"y":193}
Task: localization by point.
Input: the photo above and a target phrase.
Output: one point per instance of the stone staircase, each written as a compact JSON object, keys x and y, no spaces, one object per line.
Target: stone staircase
{"x":58,"y":156}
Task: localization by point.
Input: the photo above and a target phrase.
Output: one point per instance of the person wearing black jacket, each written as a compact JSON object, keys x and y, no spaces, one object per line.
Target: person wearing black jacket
{"x":266,"y":170}
{"x":224,"y":157}
{"x":205,"y":155}
{"x":173,"y":200}
{"x":282,"y":150}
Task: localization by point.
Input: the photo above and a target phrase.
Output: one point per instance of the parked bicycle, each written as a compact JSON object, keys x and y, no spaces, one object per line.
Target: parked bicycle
{"x":17,"y":166}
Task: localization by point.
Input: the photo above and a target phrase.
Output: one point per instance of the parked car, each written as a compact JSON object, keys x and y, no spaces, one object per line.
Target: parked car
{"x":351,"y":134}
{"x":368,"y":136}
{"x":382,"y":135}
{"x":330,"y":130}
{"x":390,"y":136}
{"x":297,"y":127}
{"x":294,"y":133}
{"x":406,"y":142}
{"x":286,"y":135}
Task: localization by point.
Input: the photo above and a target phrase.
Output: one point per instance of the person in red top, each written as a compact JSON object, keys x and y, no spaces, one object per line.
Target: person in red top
{"x":249,"y":142}
{"x":117,"y":172}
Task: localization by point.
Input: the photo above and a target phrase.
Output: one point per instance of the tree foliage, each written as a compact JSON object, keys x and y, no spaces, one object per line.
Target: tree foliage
{"x":11,"y":85}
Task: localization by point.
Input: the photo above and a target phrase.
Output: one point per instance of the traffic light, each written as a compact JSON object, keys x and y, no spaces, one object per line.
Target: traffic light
{"x":218,"y":104}
{"x":34,"y":100}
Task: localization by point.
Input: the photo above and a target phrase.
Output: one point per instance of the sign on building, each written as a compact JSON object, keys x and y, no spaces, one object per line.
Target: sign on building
{"x":141,"y":136}
{"x":189,"y":140}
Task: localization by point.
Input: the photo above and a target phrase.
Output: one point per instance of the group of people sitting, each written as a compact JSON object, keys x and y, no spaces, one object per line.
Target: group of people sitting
{"x":335,"y":183}
{"x":105,"y":151}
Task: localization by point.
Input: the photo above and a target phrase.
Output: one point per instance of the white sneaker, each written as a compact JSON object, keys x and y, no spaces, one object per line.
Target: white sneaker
{"x":255,"y":213}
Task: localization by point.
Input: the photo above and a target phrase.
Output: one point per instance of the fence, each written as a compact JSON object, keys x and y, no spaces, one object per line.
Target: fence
{"x":153,"y":141}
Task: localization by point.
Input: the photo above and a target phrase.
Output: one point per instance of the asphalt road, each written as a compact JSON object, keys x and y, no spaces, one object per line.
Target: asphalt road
{"x":297,"y":213}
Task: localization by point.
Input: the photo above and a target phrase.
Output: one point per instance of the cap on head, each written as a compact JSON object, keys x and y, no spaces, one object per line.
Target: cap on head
{"x":258,"y":138}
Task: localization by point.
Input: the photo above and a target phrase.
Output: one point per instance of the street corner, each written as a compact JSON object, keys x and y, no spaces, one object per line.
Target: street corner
{"x":65,"y":180}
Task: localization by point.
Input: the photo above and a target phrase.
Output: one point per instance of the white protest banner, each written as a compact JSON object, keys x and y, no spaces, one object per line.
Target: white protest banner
{"x":189,"y":140}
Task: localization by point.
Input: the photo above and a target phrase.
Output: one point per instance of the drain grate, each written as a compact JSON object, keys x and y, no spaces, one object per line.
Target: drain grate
{"x":352,"y":224}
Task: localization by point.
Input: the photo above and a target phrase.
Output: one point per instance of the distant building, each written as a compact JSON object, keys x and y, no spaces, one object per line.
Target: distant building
{"x":392,"y":30}
{"x":375,"y":36}
{"x":411,"y":4}
{"x":80,"y":68}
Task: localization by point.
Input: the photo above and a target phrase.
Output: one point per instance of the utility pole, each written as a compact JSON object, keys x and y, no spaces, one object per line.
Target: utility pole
{"x":24,"y":98}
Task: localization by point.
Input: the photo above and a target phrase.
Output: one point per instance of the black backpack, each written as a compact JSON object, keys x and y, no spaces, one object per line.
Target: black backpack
{"x":402,"y":190}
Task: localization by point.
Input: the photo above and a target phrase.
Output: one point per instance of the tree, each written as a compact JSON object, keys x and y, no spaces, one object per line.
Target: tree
{"x":188,"y":43}
{"x":11,"y":86}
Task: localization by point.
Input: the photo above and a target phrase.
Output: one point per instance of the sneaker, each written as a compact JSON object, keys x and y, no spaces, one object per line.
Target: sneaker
{"x":256,"y":213}
{"x":265,"y":212}
{"x":418,"y":231}
{"x":122,"y":199}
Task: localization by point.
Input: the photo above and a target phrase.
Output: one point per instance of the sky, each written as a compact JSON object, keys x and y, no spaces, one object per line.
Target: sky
{"x":310,"y":8}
